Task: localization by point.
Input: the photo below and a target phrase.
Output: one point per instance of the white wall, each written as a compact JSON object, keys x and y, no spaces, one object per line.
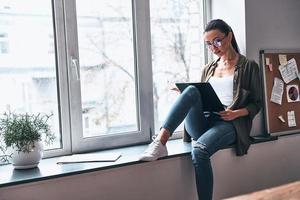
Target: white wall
{"x":268,"y":24}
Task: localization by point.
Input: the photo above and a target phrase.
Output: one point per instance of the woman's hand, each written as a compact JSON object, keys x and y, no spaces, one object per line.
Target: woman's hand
{"x":229,"y":114}
{"x":175,"y":89}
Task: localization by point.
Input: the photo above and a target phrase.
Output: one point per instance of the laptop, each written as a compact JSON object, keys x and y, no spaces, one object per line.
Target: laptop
{"x":211,"y":102}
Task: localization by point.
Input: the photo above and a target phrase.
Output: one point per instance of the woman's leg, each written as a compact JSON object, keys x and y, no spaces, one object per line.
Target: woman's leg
{"x":221,"y":134}
{"x":188,"y":107}
{"x":188,"y":103}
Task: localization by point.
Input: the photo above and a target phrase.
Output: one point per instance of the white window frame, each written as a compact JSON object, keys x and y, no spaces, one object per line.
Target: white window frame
{"x":62,"y":86}
{"x":141,"y":28}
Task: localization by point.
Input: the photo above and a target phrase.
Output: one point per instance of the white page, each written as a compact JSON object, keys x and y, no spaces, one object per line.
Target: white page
{"x":291,"y":118}
{"x":267,"y":61}
{"x":277,"y":91}
{"x":289,"y":71}
{"x":282,"y":59}
{"x":280,"y":117}
{"x":95,"y":157}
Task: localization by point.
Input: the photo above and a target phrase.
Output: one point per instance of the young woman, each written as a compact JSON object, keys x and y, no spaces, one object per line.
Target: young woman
{"x":236,"y":81}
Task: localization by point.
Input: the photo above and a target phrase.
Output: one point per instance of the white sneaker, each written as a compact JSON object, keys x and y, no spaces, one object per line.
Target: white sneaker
{"x":154,"y":151}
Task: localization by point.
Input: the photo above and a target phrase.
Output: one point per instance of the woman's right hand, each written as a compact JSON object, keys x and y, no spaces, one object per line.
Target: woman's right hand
{"x":172,"y":86}
{"x":175,"y":89}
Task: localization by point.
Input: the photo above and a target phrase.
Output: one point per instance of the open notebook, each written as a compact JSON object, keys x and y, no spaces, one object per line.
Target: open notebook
{"x":94,"y":157}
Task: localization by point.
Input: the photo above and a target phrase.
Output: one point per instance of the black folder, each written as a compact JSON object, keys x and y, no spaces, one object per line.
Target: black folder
{"x":211,"y":102}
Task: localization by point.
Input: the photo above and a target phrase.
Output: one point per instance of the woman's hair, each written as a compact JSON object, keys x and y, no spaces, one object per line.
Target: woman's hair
{"x":224,"y":28}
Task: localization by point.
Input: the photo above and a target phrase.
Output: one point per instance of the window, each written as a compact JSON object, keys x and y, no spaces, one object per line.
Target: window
{"x":177,"y":49}
{"x":91,"y":64}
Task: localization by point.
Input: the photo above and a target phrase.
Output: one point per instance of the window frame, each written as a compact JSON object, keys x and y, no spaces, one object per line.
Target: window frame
{"x":142,"y":48}
{"x":71,"y":115}
{"x":61,"y":77}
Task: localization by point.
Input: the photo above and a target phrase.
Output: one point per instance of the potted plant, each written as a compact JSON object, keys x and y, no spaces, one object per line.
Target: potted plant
{"x":22,"y":136}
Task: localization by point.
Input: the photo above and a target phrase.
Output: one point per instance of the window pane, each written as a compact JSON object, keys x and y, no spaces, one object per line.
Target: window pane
{"x":27,"y":60}
{"x":107,"y":67}
{"x":177,"y":49}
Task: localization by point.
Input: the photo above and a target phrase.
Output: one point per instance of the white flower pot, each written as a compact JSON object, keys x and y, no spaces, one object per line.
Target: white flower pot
{"x":26,"y":160}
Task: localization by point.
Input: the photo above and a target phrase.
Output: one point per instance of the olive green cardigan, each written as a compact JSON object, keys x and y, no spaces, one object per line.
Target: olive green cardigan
{"x":247,"y":93}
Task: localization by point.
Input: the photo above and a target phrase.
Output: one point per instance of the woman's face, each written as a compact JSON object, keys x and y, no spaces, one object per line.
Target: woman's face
{"x":217,"y":41}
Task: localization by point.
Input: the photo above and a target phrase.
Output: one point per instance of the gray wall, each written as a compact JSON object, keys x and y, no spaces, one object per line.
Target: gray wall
{"x":268,"y":24}
{"x":232,"y":12}
{"x":272,"y":24}
{"x":170,"y":179}
{"x":266,"y":165}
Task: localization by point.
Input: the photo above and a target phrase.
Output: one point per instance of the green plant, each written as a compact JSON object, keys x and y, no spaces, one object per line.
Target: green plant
{"x":22,"y":130}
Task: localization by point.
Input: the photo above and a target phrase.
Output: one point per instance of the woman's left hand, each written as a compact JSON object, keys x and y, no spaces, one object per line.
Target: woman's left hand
{"x":229,"y":114}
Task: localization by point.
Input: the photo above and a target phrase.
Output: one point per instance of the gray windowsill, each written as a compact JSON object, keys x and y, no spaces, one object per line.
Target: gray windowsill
{"x":48,"y":168}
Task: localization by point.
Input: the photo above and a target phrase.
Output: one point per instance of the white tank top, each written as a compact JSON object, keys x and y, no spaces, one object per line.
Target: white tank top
{"x":223,"y":87}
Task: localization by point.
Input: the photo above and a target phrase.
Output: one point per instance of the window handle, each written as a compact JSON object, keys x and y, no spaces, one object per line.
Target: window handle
{"x":75,"y":66}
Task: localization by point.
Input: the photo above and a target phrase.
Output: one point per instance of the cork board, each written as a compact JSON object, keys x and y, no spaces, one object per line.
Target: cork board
{"x":281,"y":90}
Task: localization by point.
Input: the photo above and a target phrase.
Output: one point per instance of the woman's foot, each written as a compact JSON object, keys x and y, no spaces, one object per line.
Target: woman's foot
{"x":154,"y":151}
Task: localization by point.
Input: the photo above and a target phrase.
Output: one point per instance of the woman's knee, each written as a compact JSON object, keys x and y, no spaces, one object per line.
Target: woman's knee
{"x":200,"y":153}
{"x":192,"y":91}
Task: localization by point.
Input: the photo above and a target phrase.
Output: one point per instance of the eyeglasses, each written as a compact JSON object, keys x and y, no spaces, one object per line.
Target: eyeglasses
{"x":217,"y":42}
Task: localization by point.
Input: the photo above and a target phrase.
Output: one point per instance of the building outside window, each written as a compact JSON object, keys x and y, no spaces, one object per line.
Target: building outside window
{"x":3,"y":43}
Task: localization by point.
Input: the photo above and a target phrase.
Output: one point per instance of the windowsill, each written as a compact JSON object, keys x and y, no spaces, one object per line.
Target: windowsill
{"x":48,"y":168}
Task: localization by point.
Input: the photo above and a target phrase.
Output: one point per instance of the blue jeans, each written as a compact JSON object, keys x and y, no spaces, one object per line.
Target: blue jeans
{"x":210,"y":132}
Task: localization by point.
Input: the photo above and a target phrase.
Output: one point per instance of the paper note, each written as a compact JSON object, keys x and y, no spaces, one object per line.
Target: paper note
{"x":282,"y":59}
{"x":280,"y":117}
{"x":277,"y":91}
{"x":81,"y":158}
{"x":292,"y":93}
{"x":270,"y":67}
{"x":291,"y":118}
{"x":267,"y":61}
{"x":289,"y":71}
